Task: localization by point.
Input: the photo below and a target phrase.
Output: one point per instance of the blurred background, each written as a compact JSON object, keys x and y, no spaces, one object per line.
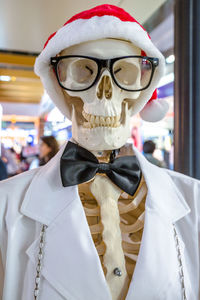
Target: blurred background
{"x":28,"y":113}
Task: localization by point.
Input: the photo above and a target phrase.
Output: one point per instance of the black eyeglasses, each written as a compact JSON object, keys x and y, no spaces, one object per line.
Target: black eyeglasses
{"x":79,"y":73}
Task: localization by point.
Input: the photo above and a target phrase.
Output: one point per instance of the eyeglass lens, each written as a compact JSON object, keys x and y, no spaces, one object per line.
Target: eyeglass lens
{"x":132,"y":73}
{"x":77,"y":73}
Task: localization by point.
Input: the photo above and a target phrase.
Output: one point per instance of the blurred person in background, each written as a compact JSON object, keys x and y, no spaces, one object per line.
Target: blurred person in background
{"x":3,"y":171}
{"x":148,"y":150}
{"x":48,"y":147}
{"x":24,"y":164}
{"x":9,"y":157}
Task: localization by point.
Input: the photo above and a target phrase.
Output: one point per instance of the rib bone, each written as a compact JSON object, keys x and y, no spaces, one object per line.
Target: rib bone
{"x":136,"y":201}
{"x":107,"y":215}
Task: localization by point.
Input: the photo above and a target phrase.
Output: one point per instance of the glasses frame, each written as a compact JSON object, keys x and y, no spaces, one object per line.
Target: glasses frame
{"x":104,"y":64}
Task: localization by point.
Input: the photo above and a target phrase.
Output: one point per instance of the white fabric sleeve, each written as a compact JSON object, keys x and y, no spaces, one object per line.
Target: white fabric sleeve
{"x":1,"y":277}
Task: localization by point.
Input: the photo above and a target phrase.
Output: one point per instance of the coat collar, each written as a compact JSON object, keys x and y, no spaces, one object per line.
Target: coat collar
{"x":46,"y":197}
{"x":163,"y":195}
{"x":71,"y":259}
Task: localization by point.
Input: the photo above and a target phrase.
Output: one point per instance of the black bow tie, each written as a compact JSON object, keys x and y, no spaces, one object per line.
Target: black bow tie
{"x":78,"y":165}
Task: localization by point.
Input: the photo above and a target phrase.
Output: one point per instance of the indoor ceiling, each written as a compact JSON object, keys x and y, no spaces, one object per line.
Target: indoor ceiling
{"x":20,"y":89}
{"x":18,"y":82}
{"x":24,"y":27}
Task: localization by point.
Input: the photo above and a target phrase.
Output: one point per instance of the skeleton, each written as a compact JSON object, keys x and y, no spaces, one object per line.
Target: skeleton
{"x":101,"y":122}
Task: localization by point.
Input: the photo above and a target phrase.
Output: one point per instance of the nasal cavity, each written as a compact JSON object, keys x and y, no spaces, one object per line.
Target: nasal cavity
{"x":104,"y":88}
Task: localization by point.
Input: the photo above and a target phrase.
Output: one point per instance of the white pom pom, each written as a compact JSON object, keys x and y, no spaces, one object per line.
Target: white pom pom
{"x":155,"y":110}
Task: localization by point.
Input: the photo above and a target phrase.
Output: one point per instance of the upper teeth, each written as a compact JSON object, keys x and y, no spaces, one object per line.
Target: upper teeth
{"x":96,"y":121}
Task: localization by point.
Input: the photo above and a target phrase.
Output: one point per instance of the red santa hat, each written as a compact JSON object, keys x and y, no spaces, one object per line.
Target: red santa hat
{"x":103,"y":21}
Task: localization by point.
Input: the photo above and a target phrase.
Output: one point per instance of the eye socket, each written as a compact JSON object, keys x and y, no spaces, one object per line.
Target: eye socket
{"x":83,"y":70}
{"x":125,"y":72}
{"x":76,"y":72}
{"x":132,"y":72}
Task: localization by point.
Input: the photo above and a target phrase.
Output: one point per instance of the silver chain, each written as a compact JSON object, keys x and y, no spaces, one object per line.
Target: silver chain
{"x":41,"y":255}
{"x":181,"y":274}
{"x":39,"y":262}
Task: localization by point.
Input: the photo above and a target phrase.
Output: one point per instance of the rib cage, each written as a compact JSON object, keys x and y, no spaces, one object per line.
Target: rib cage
{"x":131,"y":213}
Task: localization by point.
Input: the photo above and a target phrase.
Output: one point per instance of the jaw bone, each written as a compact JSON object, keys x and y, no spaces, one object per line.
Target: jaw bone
{"x":101,"y":137}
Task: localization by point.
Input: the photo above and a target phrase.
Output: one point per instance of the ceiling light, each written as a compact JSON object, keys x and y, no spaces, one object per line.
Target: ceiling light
{"x":170,"y":59}
{"x":5,"y":78}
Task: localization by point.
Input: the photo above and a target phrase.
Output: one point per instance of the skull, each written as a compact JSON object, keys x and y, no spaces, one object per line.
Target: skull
{"x":101,"y":114}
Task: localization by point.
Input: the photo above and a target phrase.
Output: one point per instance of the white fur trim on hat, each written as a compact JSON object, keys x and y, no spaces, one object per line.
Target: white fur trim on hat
{"x":155,"y":110}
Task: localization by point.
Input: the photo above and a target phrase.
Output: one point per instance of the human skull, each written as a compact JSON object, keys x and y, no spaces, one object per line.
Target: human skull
{"x":101,"y":115}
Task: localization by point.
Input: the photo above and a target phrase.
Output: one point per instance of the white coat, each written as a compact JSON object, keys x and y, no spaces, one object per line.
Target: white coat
{"x":71,"y":268}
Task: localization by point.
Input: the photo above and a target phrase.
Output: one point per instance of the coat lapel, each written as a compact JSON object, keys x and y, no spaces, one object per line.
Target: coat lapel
{"x":156,"y":275}
{"x":71,"y":263}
